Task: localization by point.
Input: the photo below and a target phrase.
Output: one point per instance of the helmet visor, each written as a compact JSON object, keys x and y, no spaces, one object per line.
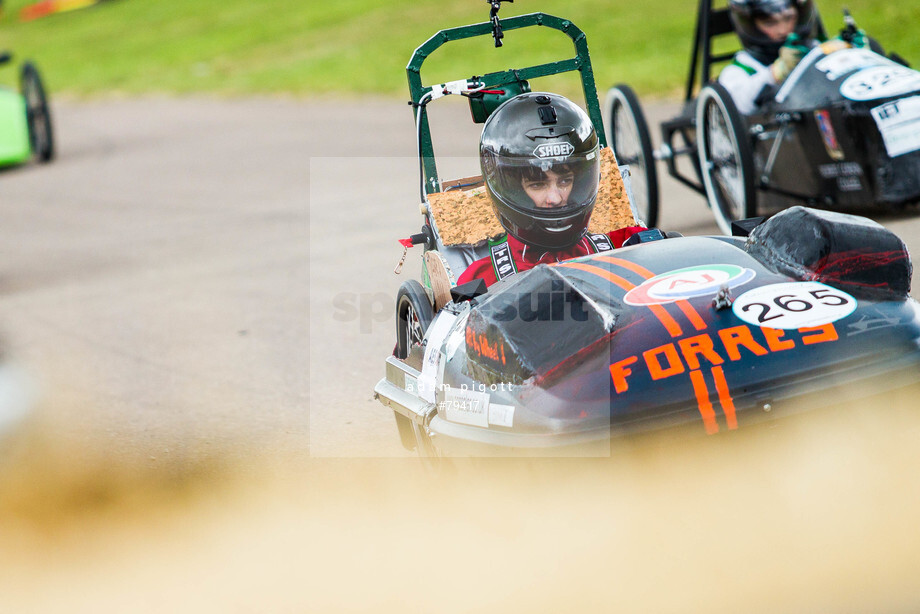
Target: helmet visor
{"x":749,"y":16}
{"x":554,"y":181}
{"x":771,"y":7}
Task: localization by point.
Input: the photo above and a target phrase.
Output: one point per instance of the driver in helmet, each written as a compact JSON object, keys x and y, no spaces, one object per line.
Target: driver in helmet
{"x":775,"y":35}
{"x":540,"y":162}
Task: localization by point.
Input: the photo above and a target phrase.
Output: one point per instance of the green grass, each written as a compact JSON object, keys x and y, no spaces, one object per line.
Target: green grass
{"x":360,"y":47}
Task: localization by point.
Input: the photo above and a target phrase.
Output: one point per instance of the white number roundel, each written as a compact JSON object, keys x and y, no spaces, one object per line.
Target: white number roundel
{"x":794,"y":304}
{"x":880,"y":82}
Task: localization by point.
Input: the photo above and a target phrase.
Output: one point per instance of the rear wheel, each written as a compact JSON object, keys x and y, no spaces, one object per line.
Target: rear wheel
{"x":38,"y":115}
{"x":726,"y":157}
{"x":628,"y":136}
{"x":413,"y":316}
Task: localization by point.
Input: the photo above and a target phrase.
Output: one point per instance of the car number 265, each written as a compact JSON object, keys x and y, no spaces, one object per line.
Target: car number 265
{"x":791,"y":305}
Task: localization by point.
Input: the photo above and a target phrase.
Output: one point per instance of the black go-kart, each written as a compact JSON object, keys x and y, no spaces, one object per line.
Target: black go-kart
{"x":842,"y":132}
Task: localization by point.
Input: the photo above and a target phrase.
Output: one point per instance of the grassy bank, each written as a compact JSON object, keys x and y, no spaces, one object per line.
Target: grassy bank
{"x":360,"y":47}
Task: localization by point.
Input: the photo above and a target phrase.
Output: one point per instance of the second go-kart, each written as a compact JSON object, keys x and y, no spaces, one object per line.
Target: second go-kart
{"x":841,"y":133}
{"x":710,"y":334}
{"x":25,"y":118}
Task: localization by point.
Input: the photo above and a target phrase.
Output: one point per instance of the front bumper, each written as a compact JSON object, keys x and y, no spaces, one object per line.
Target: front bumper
{"x":420,"y":426}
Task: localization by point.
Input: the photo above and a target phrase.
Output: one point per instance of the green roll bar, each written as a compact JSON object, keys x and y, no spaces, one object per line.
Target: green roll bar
{"x":581,"y":62}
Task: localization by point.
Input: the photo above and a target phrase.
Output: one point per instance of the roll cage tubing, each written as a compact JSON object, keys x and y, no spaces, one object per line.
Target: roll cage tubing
{"x":711,"y":23}
{"x":581,"y":62}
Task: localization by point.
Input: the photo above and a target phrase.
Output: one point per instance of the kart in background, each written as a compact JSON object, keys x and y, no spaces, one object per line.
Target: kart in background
{"x":710,"y":334}
{"x":843,"y":132}
{"x":25,"y":118}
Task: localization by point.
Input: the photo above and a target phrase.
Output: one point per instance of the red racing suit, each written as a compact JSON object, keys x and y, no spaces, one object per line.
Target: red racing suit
{"x":509,"y":256}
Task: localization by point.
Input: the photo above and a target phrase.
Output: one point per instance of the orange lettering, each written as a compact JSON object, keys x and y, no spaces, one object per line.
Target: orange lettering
{"x":775,"y":341}
{"x":825,"y":333}
{"x":737,"y":336}
{"x":618,"y":372}
{"x":675,"y":366}
{"x":480,"y":344}
{"x":471,"y":339}
{"x":692,"y":347}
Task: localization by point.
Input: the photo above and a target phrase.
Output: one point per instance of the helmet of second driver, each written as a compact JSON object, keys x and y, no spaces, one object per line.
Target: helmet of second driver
{"x":540,"y":162}
{"x":762,"y":25}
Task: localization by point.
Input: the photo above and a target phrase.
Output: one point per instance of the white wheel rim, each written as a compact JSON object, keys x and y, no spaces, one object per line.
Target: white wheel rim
{"x":722,"y":172}
{"x":627,"y":147}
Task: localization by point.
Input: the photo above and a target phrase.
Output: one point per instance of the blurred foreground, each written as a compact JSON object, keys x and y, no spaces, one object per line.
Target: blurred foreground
{"x":816,"y":514}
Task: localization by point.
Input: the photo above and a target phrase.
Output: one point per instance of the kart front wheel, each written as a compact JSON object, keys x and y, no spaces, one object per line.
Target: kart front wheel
{"x":628,"y":136}
{"x":726,"y":157}
{"x":38,"y":115}
{"x":413,"y":316}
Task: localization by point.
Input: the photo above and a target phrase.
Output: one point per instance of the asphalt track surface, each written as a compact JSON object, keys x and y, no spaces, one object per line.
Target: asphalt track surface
{"x":207,"y":278}
{"x":189,"y":272}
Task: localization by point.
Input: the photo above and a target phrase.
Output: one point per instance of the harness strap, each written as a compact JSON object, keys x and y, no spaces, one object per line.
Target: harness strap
{"x":600,"y":243}
{"x":502,"y":263}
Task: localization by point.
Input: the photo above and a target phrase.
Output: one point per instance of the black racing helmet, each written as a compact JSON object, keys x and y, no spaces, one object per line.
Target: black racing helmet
{"x":758,"y":44}
{"x":524,"y":138}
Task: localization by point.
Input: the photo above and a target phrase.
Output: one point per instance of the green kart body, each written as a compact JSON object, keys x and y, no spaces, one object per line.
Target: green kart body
{"x":15,"y":147}
{"x":26,"y":132}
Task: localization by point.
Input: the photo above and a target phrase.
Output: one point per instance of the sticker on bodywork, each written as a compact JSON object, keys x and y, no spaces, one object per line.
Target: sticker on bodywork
{"x":841,"y":62}
{"x":433,"y":362}
{"x":849,"y":184}
{"x":880,"y":82}
{"x":899,"y":124}
{"x":474,"y":407}
{"x":465,"y":406}
{"x":688,"y":283}
{"x":828,"y":135}
{"x":841,"y":169}
{"x":501,"y":415}
{"x":793,"y":305}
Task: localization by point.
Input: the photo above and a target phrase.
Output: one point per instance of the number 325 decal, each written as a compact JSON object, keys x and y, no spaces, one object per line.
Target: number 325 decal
{"x":796,"y":304}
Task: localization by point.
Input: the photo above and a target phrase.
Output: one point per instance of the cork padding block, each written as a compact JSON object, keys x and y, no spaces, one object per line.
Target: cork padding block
{"x":467,"y":218}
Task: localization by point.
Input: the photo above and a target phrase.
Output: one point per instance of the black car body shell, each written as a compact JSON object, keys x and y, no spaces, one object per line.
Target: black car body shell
{"x":584,"y":349}
{"x":832,"y":152}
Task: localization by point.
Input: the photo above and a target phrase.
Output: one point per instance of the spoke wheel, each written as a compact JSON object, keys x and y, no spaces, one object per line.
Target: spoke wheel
{"x":413,"y":316}
{"x":38,"y":115}
{"x":628,"y":136}
{"x":726,"y":157}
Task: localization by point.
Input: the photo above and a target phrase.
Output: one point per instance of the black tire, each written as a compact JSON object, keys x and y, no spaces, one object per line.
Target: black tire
{"x":38,"y":114}
{"x":628,"y":135}
{"x":414,"y":314}
{"x":726,"y":157}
